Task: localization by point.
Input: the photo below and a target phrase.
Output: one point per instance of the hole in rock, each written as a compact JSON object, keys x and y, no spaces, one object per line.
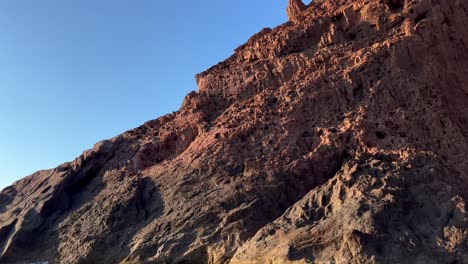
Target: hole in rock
{"x":380,"y":134}
{"x":243,"y":138}
{"x":306,"y":134}
{"x":420,"y":17}
{"x":395,"y":4}
{"x":272,"y":100}
{"x":46,"y":189}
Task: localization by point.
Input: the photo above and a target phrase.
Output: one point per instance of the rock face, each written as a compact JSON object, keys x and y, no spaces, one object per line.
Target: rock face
{"x":294,"y":9}
{"x":340,"y":137}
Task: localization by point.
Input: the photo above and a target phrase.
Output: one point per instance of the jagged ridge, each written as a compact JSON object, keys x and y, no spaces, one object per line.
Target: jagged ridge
{"x":340,"y":136}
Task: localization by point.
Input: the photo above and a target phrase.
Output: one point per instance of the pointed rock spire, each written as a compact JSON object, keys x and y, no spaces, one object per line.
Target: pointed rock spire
{"x":294,"y":9}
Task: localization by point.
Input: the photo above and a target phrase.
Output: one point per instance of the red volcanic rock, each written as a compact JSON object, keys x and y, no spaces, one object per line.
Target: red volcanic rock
{"x":339,"y":138}
{"x":294,"y":9}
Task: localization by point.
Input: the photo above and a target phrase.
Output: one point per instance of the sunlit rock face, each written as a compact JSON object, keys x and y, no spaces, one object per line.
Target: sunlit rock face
{"x":294,"y":9}
{"x":338,"y":137}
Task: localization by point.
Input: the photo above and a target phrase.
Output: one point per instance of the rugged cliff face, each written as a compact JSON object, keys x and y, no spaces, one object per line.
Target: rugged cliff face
{"x":340,"y":136}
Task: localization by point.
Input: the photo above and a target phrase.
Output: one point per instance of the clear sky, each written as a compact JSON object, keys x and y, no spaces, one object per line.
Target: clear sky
{"x":74,"y":72}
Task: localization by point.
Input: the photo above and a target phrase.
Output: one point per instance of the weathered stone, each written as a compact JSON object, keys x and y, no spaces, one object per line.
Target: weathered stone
{"x":339,"y":138}
{"x":294,"y":9}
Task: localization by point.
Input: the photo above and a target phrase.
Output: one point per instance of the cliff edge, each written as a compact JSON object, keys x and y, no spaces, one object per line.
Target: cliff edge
{"x":340,"y":136}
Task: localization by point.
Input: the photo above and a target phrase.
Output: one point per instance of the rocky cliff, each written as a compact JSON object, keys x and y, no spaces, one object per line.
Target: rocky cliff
{"x":340,"y":136}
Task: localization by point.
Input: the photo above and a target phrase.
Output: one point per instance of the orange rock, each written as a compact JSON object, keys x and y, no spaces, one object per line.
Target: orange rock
{"x":294,"y":9}
{"x":339,"y":138}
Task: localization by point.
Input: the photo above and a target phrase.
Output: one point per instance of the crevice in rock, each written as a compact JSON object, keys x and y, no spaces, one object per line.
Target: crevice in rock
{"x":395,"y":4}
{"x":420,"y":17}
{"x":6,"y":233}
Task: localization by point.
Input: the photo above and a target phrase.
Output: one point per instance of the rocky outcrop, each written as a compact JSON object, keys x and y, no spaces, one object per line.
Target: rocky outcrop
{"x":365,"y":215}
{"x":294,"y":9}
{"x":338,"y":137}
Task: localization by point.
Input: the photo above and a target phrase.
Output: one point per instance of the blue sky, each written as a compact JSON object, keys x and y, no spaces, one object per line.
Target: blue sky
{"x":74,"y":72}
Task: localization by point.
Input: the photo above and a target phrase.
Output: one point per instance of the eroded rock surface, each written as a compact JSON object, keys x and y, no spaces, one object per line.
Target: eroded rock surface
{"x":294,"y":9}
{"x":339,"y":137}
